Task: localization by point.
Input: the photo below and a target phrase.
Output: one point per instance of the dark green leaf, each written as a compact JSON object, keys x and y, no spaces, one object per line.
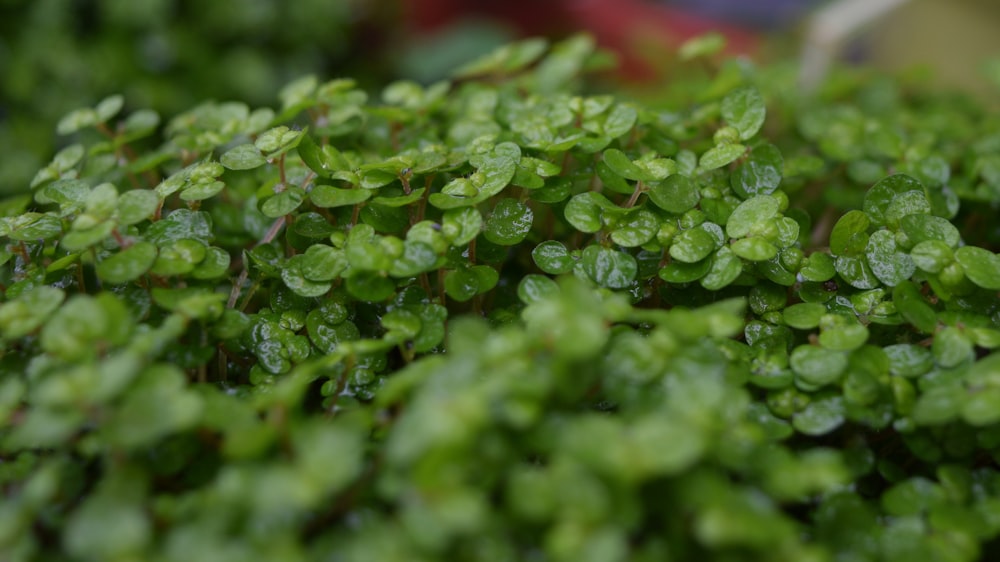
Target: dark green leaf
{"x":759,"y":174}
{"x":609,"y":268}
{"x":553,"y":258}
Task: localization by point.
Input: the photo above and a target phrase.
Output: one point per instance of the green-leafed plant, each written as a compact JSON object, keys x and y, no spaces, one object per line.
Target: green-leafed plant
{"x":496,"y":319}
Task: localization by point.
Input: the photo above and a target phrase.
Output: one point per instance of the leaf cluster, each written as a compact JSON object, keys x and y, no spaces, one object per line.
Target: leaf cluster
{"x":495,"y":318}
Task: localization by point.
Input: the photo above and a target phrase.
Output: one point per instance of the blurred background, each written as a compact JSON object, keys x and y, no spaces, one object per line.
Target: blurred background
{"x":57,"y":55}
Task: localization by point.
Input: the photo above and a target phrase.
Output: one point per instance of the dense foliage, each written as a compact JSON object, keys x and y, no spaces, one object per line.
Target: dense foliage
{"x":496,"y":319}
{"x":166,"y":55}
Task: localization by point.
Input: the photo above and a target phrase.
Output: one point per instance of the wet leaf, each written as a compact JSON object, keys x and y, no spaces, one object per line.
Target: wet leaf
{"x":692,"y":245}
{"x":609,"y":268}
{"x":509,"y":223}
{"x":553,"y":258}
{"x":759,"y":174}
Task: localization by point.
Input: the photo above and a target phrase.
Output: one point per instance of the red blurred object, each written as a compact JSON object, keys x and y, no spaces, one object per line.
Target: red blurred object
{"x":631,"y":28}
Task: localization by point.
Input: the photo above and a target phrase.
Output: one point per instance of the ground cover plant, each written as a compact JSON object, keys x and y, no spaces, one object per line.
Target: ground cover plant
{"x":502,"y":318}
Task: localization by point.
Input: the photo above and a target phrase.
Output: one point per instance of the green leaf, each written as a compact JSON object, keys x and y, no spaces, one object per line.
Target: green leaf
{"x":30,"y":227}
{"x":908,"y":360}
{"x":754,"y":249}
{"x":179,"y":257}
{"x":620,"y":164}
{"x":370,"y":287}
{"x":214,"y":266}
{"x":841,"y":332}
{"x":856,"y":272}
{"x":609,"y":268}
{"x":83,"y":324}
{"x":534,"y":287}
{"x":509,"y":223}
{"x":680,"y":272}
{"x":278,"y":140}
{"x":156,"y":405}
{"x":79,"y":239}
{"x":202,"y":191}
{"x":116,"y":504}
{"x":619,"y":120}
{"x":128,"y":264}
{"x":179,"y":224}
{"x":463,"y":284}
{"x":914,"y":307}
{"x":312,"y":225}
{"x":676,"y":194}
{"x":880,"y":196}
{"x":704,"y":45}
{"x":818,"y":267}
{"x":982,"y":267}
{"x":322,"y":263}
{"x":720,"y":155}
{"x":326,"y":196}
{"x":744,"y":109}
{"x":243,"y":157}
{"x":324,"y":160}
{"x":28,"y":311}
{"x":905,"y":204}
{"x":692,"y":245}
{"x":889,"y":265}
{"x":76,"y":120}
{"x":817,"y":366}
{"x":461,"y":226}
{"x":328,"y":327}
{"x":726,"y":267}
{"x":982,"y":408}
{"x":585,"y":211}
{"x":760,"y":173}
{"x":920,"y":228}
{"x":283,"y":203}
{"x":951,"y":347}
{"x":938,"y":405}
{"x":804,"y":316}
{"x":932,"y":256}
{"x":849,"y":236}
{"x":911,"y":497}
{"x":636,"y":229}
{"x":136,"y":206}
{"x":553,"y":258}
{"x":752,"y":215}
{"x":418,"y":257}
{"x":821,"y":416}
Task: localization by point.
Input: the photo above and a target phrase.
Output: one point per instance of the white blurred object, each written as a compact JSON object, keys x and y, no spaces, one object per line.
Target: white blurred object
{"x":830,"y":27}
